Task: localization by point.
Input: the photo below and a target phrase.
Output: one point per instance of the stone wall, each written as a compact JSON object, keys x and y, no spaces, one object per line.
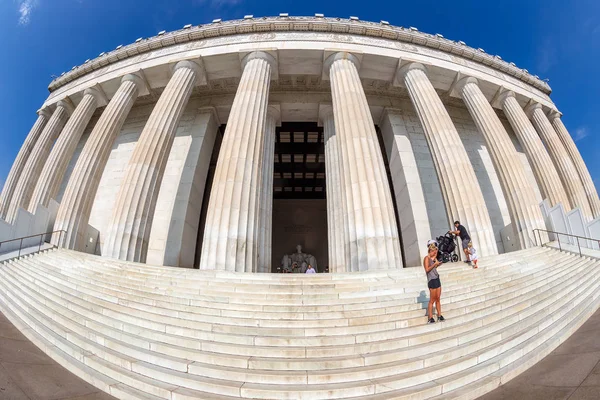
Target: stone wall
{"x":177,"y":214}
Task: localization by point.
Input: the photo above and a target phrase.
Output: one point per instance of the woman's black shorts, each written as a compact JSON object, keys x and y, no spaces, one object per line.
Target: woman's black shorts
{"x":434,"y":283}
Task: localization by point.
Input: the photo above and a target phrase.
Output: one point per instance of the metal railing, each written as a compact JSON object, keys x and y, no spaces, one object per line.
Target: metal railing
{"x":28,"y":243}
{"x":537,"y":233}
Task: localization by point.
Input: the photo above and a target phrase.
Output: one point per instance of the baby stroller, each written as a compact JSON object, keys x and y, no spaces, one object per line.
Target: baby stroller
{"x":446,"y":247}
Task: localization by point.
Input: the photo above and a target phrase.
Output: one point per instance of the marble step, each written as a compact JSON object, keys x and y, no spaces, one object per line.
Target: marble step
{"x":122,"y":312}
{"x":75,"y":293}
{"x":492,"y":334}
{"x":284,"y":282}
{"x":415,"y":315}
{"x":252,"y":390}
{"x":104,"y":327}
{"x":229,"y":299}
{"x":317,"y":279}
{"x":136,"y":296}
{"x":201,"y":278}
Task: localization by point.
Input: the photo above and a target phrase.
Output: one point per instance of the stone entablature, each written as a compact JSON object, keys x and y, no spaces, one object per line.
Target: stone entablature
{"x":269,"y":28}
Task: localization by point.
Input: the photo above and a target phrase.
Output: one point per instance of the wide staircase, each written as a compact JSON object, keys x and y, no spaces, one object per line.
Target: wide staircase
{"x":144,"y":332}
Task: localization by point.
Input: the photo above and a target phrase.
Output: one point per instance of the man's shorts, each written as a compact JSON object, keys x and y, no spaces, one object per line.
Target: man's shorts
{"x":465,"y":243}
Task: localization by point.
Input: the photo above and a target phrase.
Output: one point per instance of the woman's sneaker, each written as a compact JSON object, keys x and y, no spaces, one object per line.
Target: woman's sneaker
{"x":431,"y":321}
{"x":441,"y":318}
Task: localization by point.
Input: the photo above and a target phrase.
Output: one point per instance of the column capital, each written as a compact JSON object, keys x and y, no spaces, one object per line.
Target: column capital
{"x":194,"y":66}
{"x":404,"y":69}
{"x":325,"y":112}
{"x":531,"y":107}
{"x":460,"y":85}
{"x":355,"y":59}
{"x":211,"y":110}
{"x":501,"y":96}
{"x":67,"y":104}
{"x":45,"y":112}
{"x":553,"y":114}
{"x":263,"y":55}
{"x":98,"y":94}
{"x":274,"y":111}
{"x":388,"y":111}
{"x":137,"y":80}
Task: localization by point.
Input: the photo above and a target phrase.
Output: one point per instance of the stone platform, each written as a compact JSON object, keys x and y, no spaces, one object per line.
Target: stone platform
{"x":572,"y":371}
{"x":148,"y":332}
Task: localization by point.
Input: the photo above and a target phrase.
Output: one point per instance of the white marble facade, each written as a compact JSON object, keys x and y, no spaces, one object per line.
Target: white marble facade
{"x":381,"y":83}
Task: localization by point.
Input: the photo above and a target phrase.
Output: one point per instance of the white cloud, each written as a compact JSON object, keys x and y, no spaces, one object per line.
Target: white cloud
{"x":26,"y":7}
{"x":581,"y":133}
{"x":547,"y":56}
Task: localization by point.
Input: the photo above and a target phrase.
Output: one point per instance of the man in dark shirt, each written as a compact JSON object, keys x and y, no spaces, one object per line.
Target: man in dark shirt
{"x":461,"y":232}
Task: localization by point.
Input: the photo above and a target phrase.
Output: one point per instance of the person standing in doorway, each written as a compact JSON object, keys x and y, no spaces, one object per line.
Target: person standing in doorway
{"x":461,"y":232}
{"x":310,"y":270}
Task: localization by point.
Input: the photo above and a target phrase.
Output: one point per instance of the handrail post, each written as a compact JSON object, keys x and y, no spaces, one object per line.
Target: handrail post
{"x":578,"y":245}
{"x":20,"y":245}
{"x":558,"y":236}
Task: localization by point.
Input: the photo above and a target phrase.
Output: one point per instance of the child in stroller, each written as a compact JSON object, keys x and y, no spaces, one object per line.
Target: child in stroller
{"x":446,"y":246}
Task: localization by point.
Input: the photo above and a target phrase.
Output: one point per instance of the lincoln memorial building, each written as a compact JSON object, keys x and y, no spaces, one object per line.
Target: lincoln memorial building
{"x":225,"y":146}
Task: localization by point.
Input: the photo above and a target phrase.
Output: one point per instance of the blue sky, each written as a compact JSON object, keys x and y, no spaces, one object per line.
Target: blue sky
{"x":41,"y":38}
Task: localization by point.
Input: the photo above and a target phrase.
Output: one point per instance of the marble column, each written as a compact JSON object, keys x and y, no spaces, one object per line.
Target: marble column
{"x":564,"y":165}
{"x":131,"y":220}
{"x":336,"y":229}
{"x":461,"y":191}
{"x":266,"y":194}
{"x":21,"y":160}
{"x":231,"y":233}
{"x":37,"y":159}
{"x":74,"y":211}
{"x":525,"y":213}
{"x":52,"y":175}
{"x":548,"y":180}
{"x":373,"y":233}
{"x":584,"y":174}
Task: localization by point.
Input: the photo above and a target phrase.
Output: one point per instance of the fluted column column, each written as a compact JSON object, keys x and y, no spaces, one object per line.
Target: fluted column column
{"x":266,"y":195}
{"x":460,"y":188}
{"x":37,"y":159}
{"x":131,"y":221}
{"x":22,"y":157}
{"x":231,"y":232}
{"x":524,"y":211}
{"x":74,"y":211}
{"x":373,"y":233}
{"x":584,"y":174}
{"x":336,"y":230}
{"x":564,"y":166}
{"x":548,"y":180}
{"x":52,"y":174}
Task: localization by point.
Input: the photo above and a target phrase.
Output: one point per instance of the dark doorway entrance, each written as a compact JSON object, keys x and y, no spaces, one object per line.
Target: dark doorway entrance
{"x":299,"y":205}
